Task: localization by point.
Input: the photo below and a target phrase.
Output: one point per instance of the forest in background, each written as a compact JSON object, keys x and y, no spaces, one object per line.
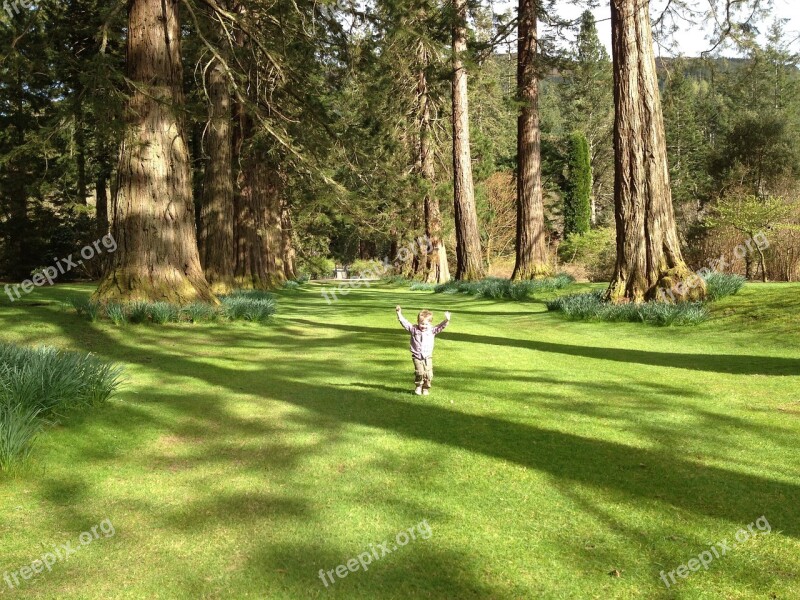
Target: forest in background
{"x":323,"y":106}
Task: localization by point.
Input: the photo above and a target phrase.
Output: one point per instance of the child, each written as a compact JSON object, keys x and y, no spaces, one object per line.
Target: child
{"x":422,"y":336}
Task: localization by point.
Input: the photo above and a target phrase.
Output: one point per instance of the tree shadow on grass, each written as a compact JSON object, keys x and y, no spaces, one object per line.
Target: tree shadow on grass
{"x":633,"y":473}
{"x":735,"y":364}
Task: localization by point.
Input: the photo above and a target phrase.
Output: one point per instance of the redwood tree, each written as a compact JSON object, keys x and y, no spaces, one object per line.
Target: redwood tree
{"x":287,"y":243}
{"x":532,"y":260}
{"x":436,"y":269}
{"x":216,"y":215}
{"x":648,"y":250}
{"x":469,"y":261}
{"x":153,"y":217}
{"x":257,"y":208}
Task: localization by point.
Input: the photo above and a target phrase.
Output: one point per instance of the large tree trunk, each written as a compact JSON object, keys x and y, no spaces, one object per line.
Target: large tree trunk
{"x":287,"y":245}
{"x":648,"y":251}
{"x":469,"y":262}
{"x":259,"y":261}
{"x":153,"y":221}
{"x":436,"y":269}
{"x":532,"y":260}
{"x":216,"y":215}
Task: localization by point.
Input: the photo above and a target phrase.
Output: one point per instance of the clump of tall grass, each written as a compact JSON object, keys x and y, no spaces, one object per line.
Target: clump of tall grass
{"x":39,"y":386}
{"x":593,"y":307}
{"x":85,"y":308}
{"x":248,"y":305}
{"x":421,"y":286}
{"x":719,"y":285}
{"x":496,"y":288}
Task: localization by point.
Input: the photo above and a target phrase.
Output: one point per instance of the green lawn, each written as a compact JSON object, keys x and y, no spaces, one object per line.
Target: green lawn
{"x":238,"y":460}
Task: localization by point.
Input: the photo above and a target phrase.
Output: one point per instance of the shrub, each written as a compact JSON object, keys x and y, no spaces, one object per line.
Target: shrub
{"x":40,"y":384}
{"x":367,"y":268}
{"x":420,"y":286}
{"x":291,"y":284}
{"x":592,"y":307}
{"x":595,"y":250}
{"x":317,"y":267}
{"x":719,"y":285}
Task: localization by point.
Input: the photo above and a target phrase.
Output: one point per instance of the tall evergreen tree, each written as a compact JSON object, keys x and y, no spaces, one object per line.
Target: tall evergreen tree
{"x":469,"y":259}
{"x":587,"y":102}
{"x":157,"y":256}
{"x":578,"y":188}
{"x":531,"y":247}
{"x":648,"y":250}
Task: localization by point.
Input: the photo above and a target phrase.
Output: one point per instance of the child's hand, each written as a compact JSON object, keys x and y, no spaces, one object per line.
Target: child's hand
{"x":447,"y":315}
{"x":397,"y":308}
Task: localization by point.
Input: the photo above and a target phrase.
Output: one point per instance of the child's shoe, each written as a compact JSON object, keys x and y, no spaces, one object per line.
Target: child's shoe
{"x":418,"y":391}
{"x":425,"y":392}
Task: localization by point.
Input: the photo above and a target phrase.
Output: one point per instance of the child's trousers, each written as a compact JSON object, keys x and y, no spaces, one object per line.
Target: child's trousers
{"x":423,"y":371}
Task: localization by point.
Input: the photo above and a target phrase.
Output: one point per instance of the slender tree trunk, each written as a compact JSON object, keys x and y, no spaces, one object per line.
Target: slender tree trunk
{"x":80,"y":143}
{"x":287,"y":245}
{"x":216,"y":215}
{"x":532,"y":260}
{"x":469,"y":262}
{"x":648,"y":251}
{"x":436,"y":269}
{"x":153,"y":221}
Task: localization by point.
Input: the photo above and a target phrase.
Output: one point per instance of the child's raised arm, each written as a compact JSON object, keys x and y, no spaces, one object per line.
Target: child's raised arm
{"x":438,"y":329}
{"x":403,"y":321}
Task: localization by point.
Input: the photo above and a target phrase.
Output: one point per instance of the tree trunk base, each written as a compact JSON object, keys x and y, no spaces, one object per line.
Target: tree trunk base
{"x":438,"y":269}
{"x":534,"y":271}
{"x":269,"y":282}
{"x":171,"y":285}
{"x":676,"y":285}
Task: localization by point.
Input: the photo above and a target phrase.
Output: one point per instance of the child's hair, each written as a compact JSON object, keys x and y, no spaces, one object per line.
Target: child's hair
{"x":425,"y":315}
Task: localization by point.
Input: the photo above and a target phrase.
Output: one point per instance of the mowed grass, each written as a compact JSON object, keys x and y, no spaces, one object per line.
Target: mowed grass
{"x":553,"y":459}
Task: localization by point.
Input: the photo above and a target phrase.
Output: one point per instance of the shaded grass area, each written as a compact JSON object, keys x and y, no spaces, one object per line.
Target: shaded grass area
{"x":240,"y":460}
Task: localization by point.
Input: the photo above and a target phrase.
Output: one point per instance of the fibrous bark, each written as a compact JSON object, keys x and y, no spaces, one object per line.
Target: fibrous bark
{"x":648,"y":251}
{"x":435,"y":268}
{"x":259,"y":260}
{"x":216,"y":214}
{"x":532,"y":258}
{"x":153,"y":212}
{"x":469,"y":262}
{"x":287,"y":244}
